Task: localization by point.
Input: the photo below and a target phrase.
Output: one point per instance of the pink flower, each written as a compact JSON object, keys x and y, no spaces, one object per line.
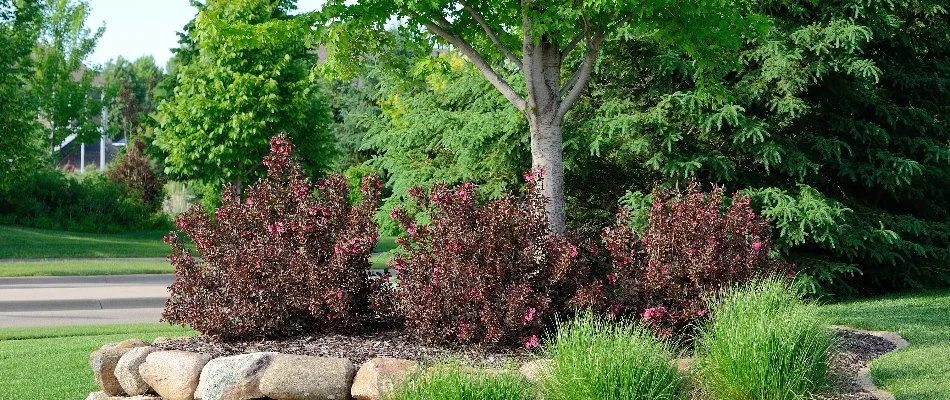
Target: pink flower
{"x":573,"y":251}
{"x":531,"y":342}
{"x":339,"y":294}
{"x":394,"y":213}
{"x":756,"y":246}
{"x":612,"y":278}
{"x":530,"y":315}
{"x":702,"y":312}
{"x":654,"y":313}
{"x":657,"y":204}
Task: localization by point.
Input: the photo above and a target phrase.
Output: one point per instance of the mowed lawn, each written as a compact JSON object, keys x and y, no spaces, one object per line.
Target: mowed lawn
{"x":53,"y":363}
{"x":84,"y":268}
{"x":922,"y":370}
{"x":16,"y":242}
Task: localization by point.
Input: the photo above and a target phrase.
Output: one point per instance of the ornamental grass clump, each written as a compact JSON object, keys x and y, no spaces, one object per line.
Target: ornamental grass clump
{"x":597,"y":359}
{"x":694,"y":246}
{"x":488,"y":274}
{"x":281,"y":259}
{"x":763,"y":342}
{"x":450,"y":382}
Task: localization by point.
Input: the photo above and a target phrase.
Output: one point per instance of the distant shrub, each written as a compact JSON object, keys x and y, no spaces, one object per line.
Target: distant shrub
{"x":454,"y":383}
{"x":133,"y":170}
{"x":597,"y":359}
{"x":488,"y":273}
{"x":51,"y":199}
{"x":693,"y":246}
{"x":282,"y":260}
{"x":763,"y":343}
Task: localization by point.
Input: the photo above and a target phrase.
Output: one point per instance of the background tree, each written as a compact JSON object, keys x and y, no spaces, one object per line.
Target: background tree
{"x":130,"y":92}
{"x":20,"y":150}
{"x":248,"y":82}
{"x":61,"y":82}
{"x":536,"y":40}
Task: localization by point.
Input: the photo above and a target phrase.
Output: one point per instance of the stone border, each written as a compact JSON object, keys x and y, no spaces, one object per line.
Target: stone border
{"x":134,"y":370}
{"x":863,"y":379}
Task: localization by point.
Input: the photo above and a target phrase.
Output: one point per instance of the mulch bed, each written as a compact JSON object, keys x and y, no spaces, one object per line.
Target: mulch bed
{"x":357,"y":348}
{"x":852,"y":352}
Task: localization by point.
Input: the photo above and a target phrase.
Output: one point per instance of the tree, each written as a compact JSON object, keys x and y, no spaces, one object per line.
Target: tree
{"x":836,"y":125}
{"x":552,"y":45}
{"x":20,"y":150}
{"x":61,"y":82}
{"x":249,"y":81}
{"x":129,"y":92}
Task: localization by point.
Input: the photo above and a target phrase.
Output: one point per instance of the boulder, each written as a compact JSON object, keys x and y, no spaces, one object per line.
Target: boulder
{"x":100,"y":395}
{"x":104,"y":360}
{"x":233,"y":378}
{"x":173,"y":374}
{"x":534,"y":370}
{"x":127,"y":371}
{"x":379,"y":376}
{"x":291,"y":377}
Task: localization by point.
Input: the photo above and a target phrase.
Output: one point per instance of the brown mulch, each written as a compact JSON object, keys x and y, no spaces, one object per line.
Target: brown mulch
{"x":357,"y":348}
{"x":853,"y":350}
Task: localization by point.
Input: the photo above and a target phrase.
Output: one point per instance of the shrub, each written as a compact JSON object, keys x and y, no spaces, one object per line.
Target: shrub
{"x":51,"y":199}
{"x":763,"y":343}
{"x":482,"y":273}
{"x":692,"y":248}
{"x":597,"y":359}
{"x":281,"y":261}
{"x":133,"y":170}
{"x":454,"y":383}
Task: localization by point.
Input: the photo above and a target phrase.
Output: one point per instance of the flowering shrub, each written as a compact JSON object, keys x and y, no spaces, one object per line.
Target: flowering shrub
{"x":691,"y":249}
{"x":133,"y":170}
{"x":483,"y":273}
{"x":282,"y":260}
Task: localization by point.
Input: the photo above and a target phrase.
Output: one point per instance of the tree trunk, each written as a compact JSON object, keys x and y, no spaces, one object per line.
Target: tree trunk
{"x":547,"y":156}
{"x":542,"y":69}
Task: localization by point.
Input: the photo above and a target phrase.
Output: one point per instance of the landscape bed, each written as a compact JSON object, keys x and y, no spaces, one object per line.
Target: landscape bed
{"x":853,"y":351}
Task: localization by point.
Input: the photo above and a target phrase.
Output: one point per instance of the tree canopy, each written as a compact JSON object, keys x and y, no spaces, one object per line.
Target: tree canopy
{"x":249,"y":81}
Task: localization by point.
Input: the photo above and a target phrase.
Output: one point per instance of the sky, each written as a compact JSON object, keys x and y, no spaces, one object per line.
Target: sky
{"x":135,"y":28}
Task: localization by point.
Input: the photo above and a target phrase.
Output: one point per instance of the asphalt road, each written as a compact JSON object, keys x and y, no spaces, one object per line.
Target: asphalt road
{"x":46,"y":301}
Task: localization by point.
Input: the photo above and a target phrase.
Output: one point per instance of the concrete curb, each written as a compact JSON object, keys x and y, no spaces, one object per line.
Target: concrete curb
{"x":81,"y":304}
{"x":140,"y":279}
{"x":863,"y":379}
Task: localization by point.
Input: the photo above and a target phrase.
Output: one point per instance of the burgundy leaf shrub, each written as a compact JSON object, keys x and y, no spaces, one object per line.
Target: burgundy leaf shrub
{"x":487,"y":274}
{"x":692,"y":248}
{"x":134,"y":170}
{"x":281,"y":260}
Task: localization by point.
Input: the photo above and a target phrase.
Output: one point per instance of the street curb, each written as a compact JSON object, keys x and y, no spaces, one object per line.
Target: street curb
{"x":139,"y":279}
{"x":81,"y":304}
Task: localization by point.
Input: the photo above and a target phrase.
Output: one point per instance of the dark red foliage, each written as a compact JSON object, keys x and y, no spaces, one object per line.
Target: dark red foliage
{"x":284,"y":259}
{"x":134,"y":170}
{"x":487,"y":274}
{"x":693,"y":247}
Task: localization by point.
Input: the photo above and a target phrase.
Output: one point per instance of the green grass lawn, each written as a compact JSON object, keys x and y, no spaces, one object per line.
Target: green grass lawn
{"x":84,"y":267}
{"x":922,"y":370}
{"x":16,"y":242}
{"x":53,"y":363}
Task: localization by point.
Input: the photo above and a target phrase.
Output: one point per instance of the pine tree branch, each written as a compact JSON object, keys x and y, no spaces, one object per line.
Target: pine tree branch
{"x":491,"y":35}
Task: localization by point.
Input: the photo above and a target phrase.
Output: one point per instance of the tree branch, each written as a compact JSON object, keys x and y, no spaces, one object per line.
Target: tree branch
{"x":583,"y":74}
{"x":573,"y":43}
{"x":496,"y":80}
{"x":491,"y":35}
